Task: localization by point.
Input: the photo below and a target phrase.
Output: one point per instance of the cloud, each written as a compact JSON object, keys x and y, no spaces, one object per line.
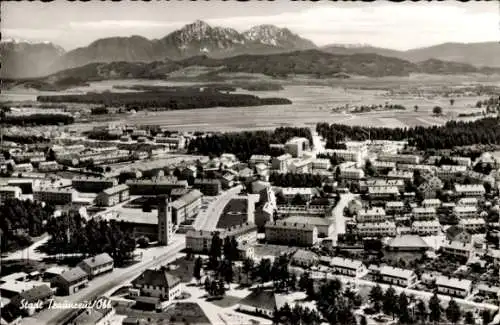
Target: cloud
{"x":119,"y":24}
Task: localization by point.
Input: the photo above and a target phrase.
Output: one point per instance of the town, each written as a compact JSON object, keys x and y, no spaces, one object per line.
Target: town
{"x":363,"y":232}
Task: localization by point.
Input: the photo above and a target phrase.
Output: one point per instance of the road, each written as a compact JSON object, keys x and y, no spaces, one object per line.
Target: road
{"x":102,"y":284}
{"x":208,"y":218}
{"x":338,"y":212}
{"x":417,"y":293}
{"x":29,"y":252}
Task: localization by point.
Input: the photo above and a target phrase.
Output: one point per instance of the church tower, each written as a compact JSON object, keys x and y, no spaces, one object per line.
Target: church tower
{"x":165,"y":227}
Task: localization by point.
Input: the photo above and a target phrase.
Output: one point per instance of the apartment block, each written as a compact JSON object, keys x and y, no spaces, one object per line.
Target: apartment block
{"x":285,"y":233}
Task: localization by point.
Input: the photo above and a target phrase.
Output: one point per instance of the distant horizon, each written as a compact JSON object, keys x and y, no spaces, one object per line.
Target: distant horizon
{"x":395,"y":26}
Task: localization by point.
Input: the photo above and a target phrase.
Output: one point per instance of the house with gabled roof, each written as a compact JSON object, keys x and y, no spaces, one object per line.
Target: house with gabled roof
{"x":71,"y":281}
{"x":36,"y":298}
{"x":262,"y":302}
{"x":157,"y":283}
{"x":97,"y":264}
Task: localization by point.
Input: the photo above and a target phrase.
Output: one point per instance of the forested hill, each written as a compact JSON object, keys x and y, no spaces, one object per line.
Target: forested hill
{"x":452,"y":134}
{"x":308,"y":62}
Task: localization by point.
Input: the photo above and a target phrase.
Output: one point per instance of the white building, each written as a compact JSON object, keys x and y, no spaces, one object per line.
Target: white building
{"x":465,"y":211}
{"x":400,"y":174}
{"x":280,"y":163}
{"x":349,"y":267}
{"x":453,"y":286}
{"x":383,"y":192}
{"x":473,"y":224}
{"x":470,"y":190}
{"x":380,"y":229}
{"x":290,"y":192}
{"x":468,"y":202}
{"x":375,"y":214}
{"x":352,"y":173}
{"x":347,"y":155}
{"x":404,"y":159}
{"x":431,"y":203}
{"x":394,"y":207}
{"x":421,"y":213}
{"x":9,"y":193}
{"x":97,"y":265}
{"x":456,"y":248}
{"x":285,"y":233}
{"x":397,"y":276}
{"x":259,"y":159}
{"x":321,"y":163}
{"x":383,"y":165}
{"x":450,"y":171}
{"x":431,"y":227}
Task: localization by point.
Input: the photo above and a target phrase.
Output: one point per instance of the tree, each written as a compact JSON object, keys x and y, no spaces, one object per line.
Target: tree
{"x":370,"y":170}
{"x":469,"y":318}
{"x":486,"y":316}
{"x":264,"y":269}
{"x":363,"y":321}
{"x":376,"y":294}
{"x":434,"y":308}
{"x":453,"y":311}
{"x":452,"y":101}
{"x":416,"y":108}
{"x":197,"y":269}
{"x":402,"y":309}
{"x":421,"y":311}
{"x":215,"y":250}
{"x":437,"y":110}
{"x":389,"y":301}
{"x":248,"y":267}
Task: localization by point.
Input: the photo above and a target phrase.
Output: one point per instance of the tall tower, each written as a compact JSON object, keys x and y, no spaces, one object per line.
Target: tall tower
{"x":165,"y":227}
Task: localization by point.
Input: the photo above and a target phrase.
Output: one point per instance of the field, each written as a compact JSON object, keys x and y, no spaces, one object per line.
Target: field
{"x":311,"y":104}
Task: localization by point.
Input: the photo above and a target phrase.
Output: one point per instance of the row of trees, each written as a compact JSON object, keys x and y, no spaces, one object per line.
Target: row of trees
{"x":20,"y":220}
{"x":169,"y":100}
{"x":70,"y":233}
{"x":246,"y":144}
{"x":453,"y":133}
{"x":38,"y":119}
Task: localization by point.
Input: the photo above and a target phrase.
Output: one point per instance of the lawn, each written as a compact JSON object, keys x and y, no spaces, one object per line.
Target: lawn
{"x":234,"y":214}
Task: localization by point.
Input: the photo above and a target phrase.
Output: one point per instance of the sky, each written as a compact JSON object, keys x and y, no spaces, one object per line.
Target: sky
{"x":386,"y":24}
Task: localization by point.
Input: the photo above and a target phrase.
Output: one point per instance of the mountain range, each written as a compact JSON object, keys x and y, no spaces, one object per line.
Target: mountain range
{"x":28,"y":60}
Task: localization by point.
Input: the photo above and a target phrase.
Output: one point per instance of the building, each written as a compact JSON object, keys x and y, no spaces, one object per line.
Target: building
{"x":383,"y":192}
{"x":71,"y":281}
{"x":9,"y":193}
{"x":93,"y":184}
{"x":33,"y":300}
{"x":173,"y":143}
{"x":430,"y":227}
{"x":375,"y":214}
{"x":473,"y":224}
{"x":157,"y":283}
{"x":200,"y":241}
{"x":155,"y":186}
{"x":394,"y":207}
{"x":468,"y":202}
{"x":289,"y":193}
{"x":453,"y":286}
{"x":321,"y":163}
{"x":296,"y":146}
{"x":397,"y":276}
{"x":456,"y":248}
{"x":380,"y":229}
{"x":53,"y":195}
{"x":346,"y":155}
{"x":281,"y":232}
{"x":325,"y":226}
{"x":383,"y":165}
{"x":259,"y":159}
{"x":397,"y":158}
{"x":211,"y":187}
{"x":165,"y":224}
{"x":470,"y":190}
{"x":450,"y":171}
{"x":263,"y":302}
{"x":400,"y":174}
{"x":465,"y":211}
{"x":349,"y":267}
{"x":300,"y":166}
{"x":305,"y":258}
{"x":99,"y":314}
{"x":186,"y":207}
{"x":421,"y":213}
{"x":113,"y":195}
{"x":459,"y":234}
{"x":407,"y":243}
{"x":365,"y":185}
{"x":431,"y":203}
{"x":49,"y":166}
{"x":352,"y":173}
{"x":280,"y":163}
{"x":462,"y":161}
{"x":227,"y":180}
{"x":97,"y":264}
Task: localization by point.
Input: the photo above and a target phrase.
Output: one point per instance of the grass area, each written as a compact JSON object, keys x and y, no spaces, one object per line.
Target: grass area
{"x":177,"y":313}
{"x":234,"y":214}
{"x":225,"y":302}
{"x":183,"y":269}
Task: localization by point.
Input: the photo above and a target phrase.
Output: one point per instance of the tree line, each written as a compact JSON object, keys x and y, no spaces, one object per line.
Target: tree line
{"x":20,"y":220}
{"x":246,"y":144}
{"x":453,"y":133}
{"x":166,"y":100}
{"x":38,"y":119}
{"x":71,"y":233}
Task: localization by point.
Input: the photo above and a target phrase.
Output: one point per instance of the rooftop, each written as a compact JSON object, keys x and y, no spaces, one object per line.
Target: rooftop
{"x":159,"y":277}
{"x":407,"y":241}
